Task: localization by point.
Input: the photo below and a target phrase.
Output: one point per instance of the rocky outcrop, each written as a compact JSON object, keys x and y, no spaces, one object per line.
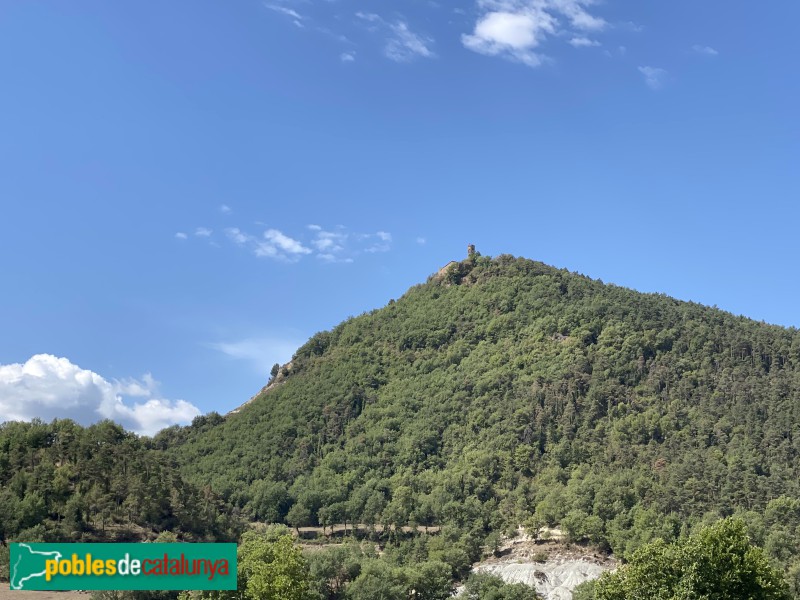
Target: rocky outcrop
{"x":553,"y":579}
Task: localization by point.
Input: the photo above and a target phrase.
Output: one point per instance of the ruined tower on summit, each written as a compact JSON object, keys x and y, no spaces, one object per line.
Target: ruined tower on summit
{"x":453,"y":263}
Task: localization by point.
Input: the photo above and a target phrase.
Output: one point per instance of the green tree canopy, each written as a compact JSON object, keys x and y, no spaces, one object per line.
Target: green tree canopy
{"x":483,"y":586}
{"x":272,"y":569}
{"x":716,"y":563}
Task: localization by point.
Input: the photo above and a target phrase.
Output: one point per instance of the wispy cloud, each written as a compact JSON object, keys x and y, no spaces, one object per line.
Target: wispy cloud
{"x":405,"y":45}
{"x":705,"y":50}
{"x":333,"y":245}
{"x":654,"y":77}
{"x":339,"y":245}
{"x":421,"y":241}
{"x":260,"y":352}
{"x":224,"y":209}
{"x":271,"y":244}
{"x":401,"y":44}
{"x":515,"y":29}
{"x":380,"y":241}
{"x":50,"y":387}
{"x":296,"y":17}
{"x":583,"y":42}
{"x":284,"y":243}
{"x":329,"y":241}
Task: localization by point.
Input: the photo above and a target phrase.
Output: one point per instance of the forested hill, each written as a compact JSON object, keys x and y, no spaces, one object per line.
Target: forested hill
{"x":506,"y":392}
{"x":60,"y":482}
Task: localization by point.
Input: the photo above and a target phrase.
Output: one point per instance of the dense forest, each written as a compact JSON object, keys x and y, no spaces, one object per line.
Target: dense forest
{"x":501,"y":392}
{"x":61,"y":482}
{"x":505,"y":391}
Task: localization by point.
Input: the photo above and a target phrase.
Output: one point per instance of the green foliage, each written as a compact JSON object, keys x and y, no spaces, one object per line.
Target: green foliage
{"x":510,"y":392}
{"x":718,"y":562}
{"x":272,"y":569}
{"x":482,"y":586}
{"x":430,"y":581}
{"x":505,"y":392}
{"x":585,"y":591}
{"x":378,"y":581}
{"x":134,"y":595}
{"x":63,"y":482}
{"x":333,"y":568}
{"x":4,"y":562}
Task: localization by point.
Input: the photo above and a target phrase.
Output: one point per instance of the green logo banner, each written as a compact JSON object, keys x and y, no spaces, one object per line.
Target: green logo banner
{"x":122,"y":566}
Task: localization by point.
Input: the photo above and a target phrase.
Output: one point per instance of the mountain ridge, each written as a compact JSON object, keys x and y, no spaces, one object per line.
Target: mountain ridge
{"x":506,"y":391}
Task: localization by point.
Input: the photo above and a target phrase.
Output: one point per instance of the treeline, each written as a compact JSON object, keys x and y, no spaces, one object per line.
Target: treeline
{"x":510,"y":392}
{"x":63,"y":482}
{"x":273,"y":567}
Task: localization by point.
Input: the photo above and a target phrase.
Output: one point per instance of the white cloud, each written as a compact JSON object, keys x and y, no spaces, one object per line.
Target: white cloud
{"x":237,"y":237}
{"x":284,"y":242}
{"x":331,"y":245}
{"x":370,"y":17}
{"x":583,"y":42}
{"x":260,"y":352}
{"x":405,"y":45}
{"x":654,"y":77}
{"x":296,"y":17}
{"x":273,"y":244}
{"x":577,"y":14}
{"x":48,"y":387}
{"x":346,"y":57}
{"x":706,"y":50}
{"x":380,"y":241}
{"x":335,"y":245}
{"x":330,"y":241}
{"x":181,"y":236}
{"x":202,"y":232}
{"x":513,"y":35}
{"x":339,"y":246}
{"x":421,"y":241}
{"x":514,"y":29}
{"x":224,"y":209}
{"x":333,"y":258}
{"x":402,"y":44}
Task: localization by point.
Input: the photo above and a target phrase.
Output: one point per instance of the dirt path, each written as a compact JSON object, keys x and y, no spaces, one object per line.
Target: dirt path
{"x":331,"y":529}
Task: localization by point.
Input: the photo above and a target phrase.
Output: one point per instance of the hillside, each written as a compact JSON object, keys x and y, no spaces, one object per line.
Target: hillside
{"x":60,"y":482}
{"x":506,"y":391}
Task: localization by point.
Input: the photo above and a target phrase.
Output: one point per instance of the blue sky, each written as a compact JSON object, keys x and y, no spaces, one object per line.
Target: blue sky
{"x":189,"y":190}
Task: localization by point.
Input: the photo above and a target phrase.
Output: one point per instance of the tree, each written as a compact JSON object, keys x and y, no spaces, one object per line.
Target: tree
{"x":270,"y":501}
{"x":378,"y":581}
{"x":272,"y":569}
{"x":333,"y":568}
{"x":483,"y":586}
{"x":430,"y":581}
{"x":585,"y":591}
{"x":717,"y":563}
{"x":273,"y":373}
{"x":299,"y":516}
